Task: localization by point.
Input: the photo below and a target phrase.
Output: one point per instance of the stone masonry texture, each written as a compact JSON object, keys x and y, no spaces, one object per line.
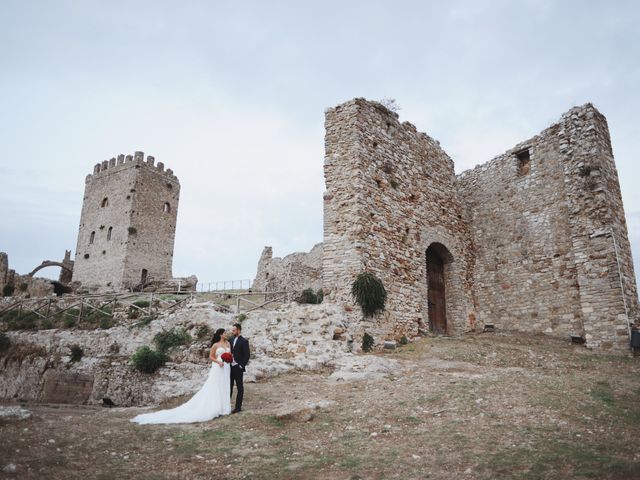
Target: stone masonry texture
{"x":127,"y":224}
{"x":534,"y":240}
{"x":293,"y":273}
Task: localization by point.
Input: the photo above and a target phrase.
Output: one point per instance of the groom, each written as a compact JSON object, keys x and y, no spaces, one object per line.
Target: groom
{"x":240,"y":351}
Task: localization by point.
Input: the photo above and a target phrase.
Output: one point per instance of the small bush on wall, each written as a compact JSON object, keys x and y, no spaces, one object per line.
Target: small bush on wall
{"x":148,"y":361}
{"x":369,"y":292}
{"x":308,"y":296}
{"x":367,"y":342}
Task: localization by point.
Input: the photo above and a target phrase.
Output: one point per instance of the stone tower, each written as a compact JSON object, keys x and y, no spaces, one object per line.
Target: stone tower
{"x":127,"y":224}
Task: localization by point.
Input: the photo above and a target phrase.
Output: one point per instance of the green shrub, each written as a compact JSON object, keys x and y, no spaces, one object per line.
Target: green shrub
{"x":146,"y":360}
{"x":308,"y":296}
{"x":241,"y":318}
{"x":69,"y":321}
{"x":16,"y":320}
{"x":369,"y":292}
{"x":203,"y":332}
{"x":46,"y":324}
{"x":168,"y":339}
{"x":8,"y":290}
{"x":71,"y":313}
{"x":23,"y":287}
{"x":404,"y":340}
{"x":320,"y":295}
{"x":5,"y":342}
{"x":142,"y":303}
{"x":99,"y":316}
{"x":76,"y":353}
{"x":106,"y":323}
{"x":367,"y":342}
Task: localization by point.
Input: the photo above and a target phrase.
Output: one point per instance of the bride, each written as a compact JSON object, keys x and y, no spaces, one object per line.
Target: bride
{"x":211,"y":401}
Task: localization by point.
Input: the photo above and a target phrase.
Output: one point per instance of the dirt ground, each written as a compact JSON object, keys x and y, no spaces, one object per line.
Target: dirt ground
{"x":482,"y":406}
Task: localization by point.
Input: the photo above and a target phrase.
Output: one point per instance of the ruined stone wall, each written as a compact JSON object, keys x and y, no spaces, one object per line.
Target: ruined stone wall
{"x":293,"y":273}
{"x":142,"y":233}
{"x":4,"y":270}
{"x":390,"y":194}
{"x":608,"y":291}
{"x":23,"y":285}
{"x":534,"y":240}
{"x":542,"y":261}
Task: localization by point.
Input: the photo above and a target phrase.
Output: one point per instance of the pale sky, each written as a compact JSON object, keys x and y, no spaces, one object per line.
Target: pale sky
{"x":231,"y":96}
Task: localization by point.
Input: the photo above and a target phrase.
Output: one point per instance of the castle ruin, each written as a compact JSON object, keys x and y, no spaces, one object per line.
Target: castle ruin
{"x":127,"y":225}
{"x":293,"y":273}
{"x":534,"y":240}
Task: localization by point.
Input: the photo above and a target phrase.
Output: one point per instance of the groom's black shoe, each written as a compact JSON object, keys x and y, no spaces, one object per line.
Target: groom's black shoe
{"x":235,"y":411}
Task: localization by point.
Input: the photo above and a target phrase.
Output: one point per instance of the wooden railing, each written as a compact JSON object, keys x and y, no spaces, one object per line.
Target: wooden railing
{"x":147,"y":304}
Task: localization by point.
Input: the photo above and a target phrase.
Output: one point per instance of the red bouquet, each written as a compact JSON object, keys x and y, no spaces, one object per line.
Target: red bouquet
{"x":226,"y":357}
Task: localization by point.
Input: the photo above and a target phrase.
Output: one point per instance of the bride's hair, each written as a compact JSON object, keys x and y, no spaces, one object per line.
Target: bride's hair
{"x":217,"y":336}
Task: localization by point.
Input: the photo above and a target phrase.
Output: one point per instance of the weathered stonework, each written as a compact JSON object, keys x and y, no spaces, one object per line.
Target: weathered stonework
{"x":28,"y":285}
{"x":533,"y":240}
{"x":127,"y":224}
{"x":293,"y":273}
{"x":4,"y":270}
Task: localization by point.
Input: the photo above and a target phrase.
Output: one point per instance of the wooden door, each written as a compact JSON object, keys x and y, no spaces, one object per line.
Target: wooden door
{"x":436,"y":294}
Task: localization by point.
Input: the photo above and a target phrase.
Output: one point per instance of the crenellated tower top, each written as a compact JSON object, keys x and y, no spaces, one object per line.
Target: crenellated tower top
{"x":123,"y":162}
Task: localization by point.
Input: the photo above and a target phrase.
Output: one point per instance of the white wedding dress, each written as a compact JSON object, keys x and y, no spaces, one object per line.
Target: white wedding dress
{"x":211,"y":401}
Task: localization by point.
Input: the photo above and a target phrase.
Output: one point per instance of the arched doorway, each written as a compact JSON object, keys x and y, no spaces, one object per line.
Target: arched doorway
{"x":437,"y":257}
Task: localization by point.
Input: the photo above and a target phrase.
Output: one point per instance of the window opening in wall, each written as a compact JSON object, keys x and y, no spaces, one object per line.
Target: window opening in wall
{"x":143,"y":276}
{"x":166,"y":208}
{"x":109,"y":233}
{"x":92,"y":237}
{"x":524,"y":161}
{"x":105,"y":202}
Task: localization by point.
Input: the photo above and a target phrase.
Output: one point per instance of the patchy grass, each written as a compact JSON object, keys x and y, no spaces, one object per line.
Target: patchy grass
{"x":477,"y":407}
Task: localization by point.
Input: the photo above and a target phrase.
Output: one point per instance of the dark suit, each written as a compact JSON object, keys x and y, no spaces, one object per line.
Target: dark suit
{"x":241,"y":355}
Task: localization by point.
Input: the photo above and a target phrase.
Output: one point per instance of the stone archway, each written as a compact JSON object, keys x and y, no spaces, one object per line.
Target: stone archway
{"x":438,"y":260}
{"x":49,"y":263}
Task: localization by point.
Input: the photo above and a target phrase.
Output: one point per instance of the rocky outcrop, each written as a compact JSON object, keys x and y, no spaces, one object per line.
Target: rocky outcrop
{"x":38,"y":365}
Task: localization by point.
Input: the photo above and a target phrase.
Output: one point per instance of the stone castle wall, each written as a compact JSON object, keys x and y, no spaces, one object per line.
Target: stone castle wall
{"x":293,"y":273}
{"x":390,"y":195}
{"x":525,"y":274}
{"x":534,"y":240}
{"x":130,"y":230}
{"x":543,"y":260}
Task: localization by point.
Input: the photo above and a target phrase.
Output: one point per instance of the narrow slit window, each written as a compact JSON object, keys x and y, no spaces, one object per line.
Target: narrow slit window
{"x":92,"y":237}
{"x":524,"y":161}
{"x":109,"y":233}
{"x":166,"y":208}
{"x":105,"y":202}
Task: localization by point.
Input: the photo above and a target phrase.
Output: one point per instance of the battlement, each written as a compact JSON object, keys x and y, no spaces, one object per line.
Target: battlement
{"x":123,"y":162}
